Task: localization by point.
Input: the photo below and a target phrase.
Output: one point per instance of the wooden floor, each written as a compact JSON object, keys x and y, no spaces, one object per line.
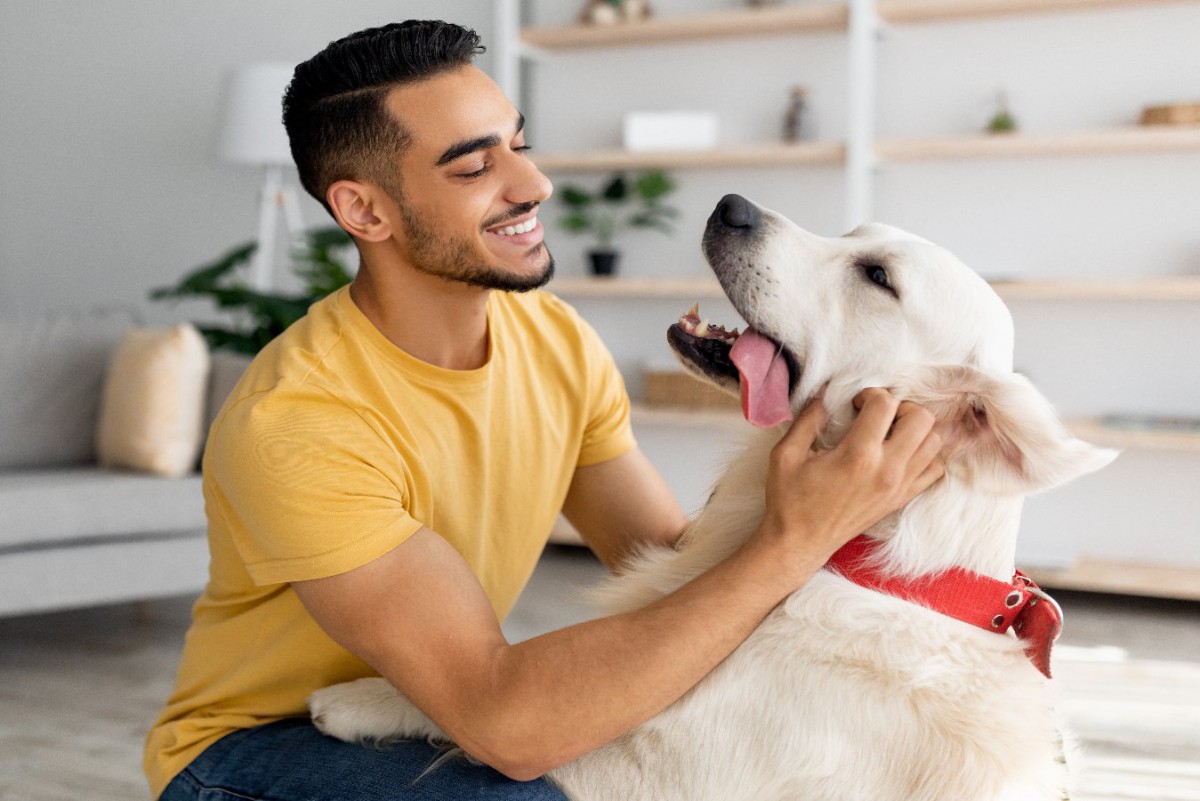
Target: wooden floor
{"x":79,"y":689}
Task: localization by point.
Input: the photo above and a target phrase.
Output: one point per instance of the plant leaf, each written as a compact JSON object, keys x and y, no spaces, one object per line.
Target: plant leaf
{"x":653,"y":185}
{"x":616,"y":191}
{"x":574,"y":196}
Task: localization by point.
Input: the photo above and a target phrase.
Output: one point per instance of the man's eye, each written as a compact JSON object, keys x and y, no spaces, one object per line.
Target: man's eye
{"x":476,"y":174}
{"x":521,"y":148}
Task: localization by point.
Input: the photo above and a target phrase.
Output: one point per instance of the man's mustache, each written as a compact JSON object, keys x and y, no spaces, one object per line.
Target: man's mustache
{"x":512,"y":214}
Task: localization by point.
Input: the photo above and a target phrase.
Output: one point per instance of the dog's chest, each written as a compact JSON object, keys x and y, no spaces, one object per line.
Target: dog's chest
{"x":839,"y":695}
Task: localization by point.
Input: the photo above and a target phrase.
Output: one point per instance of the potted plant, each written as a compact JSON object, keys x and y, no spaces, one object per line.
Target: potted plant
{"x":621,"y":203}
{"x":259,"y":317}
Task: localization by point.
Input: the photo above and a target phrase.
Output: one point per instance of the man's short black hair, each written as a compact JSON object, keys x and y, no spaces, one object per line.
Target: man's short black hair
{"x":334,"y":112}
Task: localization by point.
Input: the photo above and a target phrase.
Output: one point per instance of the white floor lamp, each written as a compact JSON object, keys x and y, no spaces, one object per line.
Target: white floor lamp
{"x":253,"y":133}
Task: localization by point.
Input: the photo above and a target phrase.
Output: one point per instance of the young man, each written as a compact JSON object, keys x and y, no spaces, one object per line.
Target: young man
{"x":382,"y":481}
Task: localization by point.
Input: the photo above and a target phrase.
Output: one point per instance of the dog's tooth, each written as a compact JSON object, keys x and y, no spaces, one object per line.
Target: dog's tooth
{"x":702,"y":329}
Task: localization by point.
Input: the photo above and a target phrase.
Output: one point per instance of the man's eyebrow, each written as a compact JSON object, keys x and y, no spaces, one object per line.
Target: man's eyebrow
{"x":460,"y":149}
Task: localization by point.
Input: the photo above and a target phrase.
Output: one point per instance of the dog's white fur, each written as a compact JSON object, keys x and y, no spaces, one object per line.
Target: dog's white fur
{"x":844,"y":694}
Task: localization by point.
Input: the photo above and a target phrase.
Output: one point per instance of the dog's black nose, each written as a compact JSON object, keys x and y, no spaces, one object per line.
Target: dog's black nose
{"x":734,"y":211}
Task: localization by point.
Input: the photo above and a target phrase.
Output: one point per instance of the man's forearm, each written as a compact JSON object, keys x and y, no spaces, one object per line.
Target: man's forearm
{"x":557,"y":696}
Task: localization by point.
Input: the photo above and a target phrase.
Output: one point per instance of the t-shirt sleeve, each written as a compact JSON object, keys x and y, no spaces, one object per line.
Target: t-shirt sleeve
{"x":305,"y":487}
{"x":608,"y":433}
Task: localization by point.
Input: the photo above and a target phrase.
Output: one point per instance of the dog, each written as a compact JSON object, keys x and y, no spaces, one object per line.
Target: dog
{"x":868,"y":682}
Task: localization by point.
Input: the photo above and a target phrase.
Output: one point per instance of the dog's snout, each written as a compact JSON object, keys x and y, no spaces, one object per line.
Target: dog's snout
{"x":734,"y":211}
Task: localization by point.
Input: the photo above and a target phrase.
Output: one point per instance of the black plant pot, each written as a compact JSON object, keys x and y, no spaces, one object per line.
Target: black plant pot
{"x":604,"y":262}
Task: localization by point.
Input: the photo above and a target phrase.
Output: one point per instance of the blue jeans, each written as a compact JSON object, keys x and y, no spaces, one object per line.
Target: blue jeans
{"x":291,"y":761}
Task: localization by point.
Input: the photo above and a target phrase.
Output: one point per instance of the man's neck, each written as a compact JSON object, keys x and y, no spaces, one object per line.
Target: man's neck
{"x":440,"y":322}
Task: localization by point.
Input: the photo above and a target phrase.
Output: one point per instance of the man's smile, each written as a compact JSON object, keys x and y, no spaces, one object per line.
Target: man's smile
{"x":525,"y":232}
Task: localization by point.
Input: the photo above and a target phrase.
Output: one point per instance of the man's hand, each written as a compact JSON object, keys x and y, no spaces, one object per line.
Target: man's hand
{"x":816,"y":501}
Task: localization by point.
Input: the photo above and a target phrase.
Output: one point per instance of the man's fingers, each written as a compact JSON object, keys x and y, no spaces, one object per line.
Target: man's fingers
{"x":930,"y":475}
{"x":808,"y":424}
{"x":877,"y":411}
{"x":911,"y":426}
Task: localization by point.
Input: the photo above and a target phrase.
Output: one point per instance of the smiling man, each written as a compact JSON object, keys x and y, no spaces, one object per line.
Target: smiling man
{"x":381,"y":483}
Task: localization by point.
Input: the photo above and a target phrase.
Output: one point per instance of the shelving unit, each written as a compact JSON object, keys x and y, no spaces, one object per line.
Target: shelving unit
{"x":779,"y":21}
{"x":813,"y":154}
{"x":863,"y":24}
{"x":1183,"y":288}
{"x":1117,"y":141}
{"x":792,"y":20}
{"x":1093,"y":431}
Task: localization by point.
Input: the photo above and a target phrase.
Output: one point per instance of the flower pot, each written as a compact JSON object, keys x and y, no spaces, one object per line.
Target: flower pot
{"x":604,"y":262}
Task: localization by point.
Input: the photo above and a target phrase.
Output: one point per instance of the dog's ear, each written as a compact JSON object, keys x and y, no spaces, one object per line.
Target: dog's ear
{"x":1001,"y":435}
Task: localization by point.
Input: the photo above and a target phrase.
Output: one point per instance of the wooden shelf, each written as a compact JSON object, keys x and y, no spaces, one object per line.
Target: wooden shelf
{"x":1117,"y":141}
{"x":683,"y":417}
{"x":779,"y":21}
{"x":1095,"y":432}
{"x":1102,"y":575}
{"x":795,"y":19}
{"x":768,"y":155}
{"x":1184,"y":288}
{"x":685,"y":287}
{"x":1088,"y":430}
{"x":913,"y":11}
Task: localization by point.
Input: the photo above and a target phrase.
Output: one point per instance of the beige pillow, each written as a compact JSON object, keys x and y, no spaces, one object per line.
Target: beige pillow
{"x":152,"y":410}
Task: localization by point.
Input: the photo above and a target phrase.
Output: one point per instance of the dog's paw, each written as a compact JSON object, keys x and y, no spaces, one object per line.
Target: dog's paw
{"x":368,"y":711}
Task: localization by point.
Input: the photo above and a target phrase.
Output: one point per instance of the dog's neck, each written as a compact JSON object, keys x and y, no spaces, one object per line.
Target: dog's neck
{"x":953,"y":525}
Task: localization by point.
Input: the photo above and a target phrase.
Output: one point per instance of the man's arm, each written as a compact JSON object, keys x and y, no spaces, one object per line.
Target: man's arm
{"x":419,"y":617}
{"x":620,"y":504}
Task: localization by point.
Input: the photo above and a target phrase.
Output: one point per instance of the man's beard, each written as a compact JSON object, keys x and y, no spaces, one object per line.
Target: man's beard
{"x":451,"y":258}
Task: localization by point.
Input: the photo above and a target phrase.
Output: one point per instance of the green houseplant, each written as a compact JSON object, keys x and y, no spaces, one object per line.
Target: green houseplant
{"x":622,"y":203}
{"x":258,"y":317}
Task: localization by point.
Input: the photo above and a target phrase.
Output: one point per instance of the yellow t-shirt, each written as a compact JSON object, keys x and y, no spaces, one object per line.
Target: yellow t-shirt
{"x":336,"y":447}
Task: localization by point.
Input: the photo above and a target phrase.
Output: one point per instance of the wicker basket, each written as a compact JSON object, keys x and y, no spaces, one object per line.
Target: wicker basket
{"x":673,"y":388}
{"x":1175,"y":114}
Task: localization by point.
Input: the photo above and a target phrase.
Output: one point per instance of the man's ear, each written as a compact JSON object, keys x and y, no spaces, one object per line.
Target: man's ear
{"x":361,"y":209}
{"x":1001,"y":435}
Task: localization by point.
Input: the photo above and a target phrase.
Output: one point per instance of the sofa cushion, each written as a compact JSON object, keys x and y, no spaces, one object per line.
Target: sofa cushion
{"x":153,"y":407}
{"x":42,"y":507}
{"x":51,"y":372}
{"x":227,"y":370}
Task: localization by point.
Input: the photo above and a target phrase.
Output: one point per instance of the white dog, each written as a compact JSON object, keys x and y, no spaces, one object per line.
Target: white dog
{"x":854,"y":688}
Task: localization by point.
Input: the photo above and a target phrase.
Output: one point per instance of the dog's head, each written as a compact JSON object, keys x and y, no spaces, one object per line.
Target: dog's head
{"x":876,"y":307}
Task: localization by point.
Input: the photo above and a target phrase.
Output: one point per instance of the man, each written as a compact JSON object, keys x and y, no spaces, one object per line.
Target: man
{"x":382,"y":481}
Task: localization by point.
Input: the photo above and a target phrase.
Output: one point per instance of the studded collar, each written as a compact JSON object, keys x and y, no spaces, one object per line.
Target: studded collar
{"x":1018,"y":605}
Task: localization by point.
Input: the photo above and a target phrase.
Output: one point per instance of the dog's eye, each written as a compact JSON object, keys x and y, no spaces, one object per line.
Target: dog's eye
{"x":877,"y":275}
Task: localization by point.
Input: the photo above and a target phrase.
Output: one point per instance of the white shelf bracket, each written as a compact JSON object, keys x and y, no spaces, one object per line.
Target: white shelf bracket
{"x":862,"y":41}
{"x":508,"y":50}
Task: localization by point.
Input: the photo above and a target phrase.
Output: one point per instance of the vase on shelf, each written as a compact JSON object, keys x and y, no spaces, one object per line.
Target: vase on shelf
{"x":603,"y":262}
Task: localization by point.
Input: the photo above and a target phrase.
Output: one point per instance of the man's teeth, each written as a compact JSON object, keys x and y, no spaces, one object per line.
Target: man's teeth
{"x":520,"y":228}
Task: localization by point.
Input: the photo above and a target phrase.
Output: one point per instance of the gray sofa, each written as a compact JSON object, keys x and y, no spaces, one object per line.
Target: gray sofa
{"x":72,"y":533}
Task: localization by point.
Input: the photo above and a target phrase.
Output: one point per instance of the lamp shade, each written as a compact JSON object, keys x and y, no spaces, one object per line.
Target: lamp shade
{"x":252,"y":131}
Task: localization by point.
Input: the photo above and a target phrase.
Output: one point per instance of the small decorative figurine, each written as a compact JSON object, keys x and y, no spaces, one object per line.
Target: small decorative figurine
{"x":798,"y":123}
{"x":610,"y":12}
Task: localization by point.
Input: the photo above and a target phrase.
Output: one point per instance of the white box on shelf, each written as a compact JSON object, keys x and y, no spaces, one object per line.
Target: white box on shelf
{"x":670,"y":130}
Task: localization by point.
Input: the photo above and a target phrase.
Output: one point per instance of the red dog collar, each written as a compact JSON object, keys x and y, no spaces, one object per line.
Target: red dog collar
{"x":973,"y":598}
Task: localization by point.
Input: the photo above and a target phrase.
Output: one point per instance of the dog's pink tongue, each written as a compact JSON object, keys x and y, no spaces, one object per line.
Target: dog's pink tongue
{"x":765,"y":381}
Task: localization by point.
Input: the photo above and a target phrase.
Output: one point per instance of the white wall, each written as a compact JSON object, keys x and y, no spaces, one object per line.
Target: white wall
{"x":109,"y":183}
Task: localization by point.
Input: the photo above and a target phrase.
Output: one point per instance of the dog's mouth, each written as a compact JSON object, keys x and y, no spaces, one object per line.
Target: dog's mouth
{"x":761,"y":370}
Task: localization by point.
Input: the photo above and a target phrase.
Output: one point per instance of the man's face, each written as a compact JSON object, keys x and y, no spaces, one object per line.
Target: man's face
{"x":468,"y":191}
